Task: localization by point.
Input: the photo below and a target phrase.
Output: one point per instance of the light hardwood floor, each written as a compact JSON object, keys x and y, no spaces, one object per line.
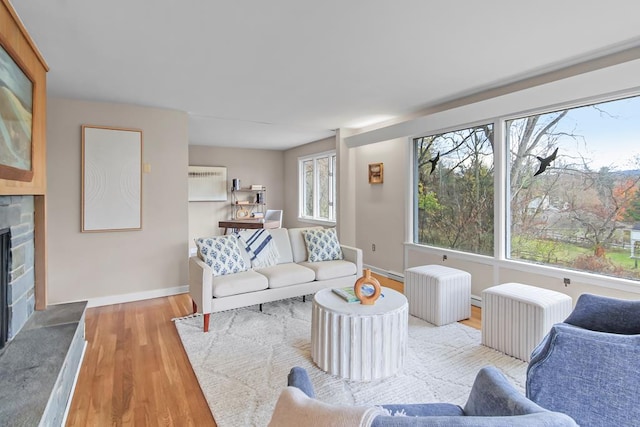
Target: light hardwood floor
{"x":136,"y":373}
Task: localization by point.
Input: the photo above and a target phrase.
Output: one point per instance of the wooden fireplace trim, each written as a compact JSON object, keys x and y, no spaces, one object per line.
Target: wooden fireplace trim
{"x":15,"y":39}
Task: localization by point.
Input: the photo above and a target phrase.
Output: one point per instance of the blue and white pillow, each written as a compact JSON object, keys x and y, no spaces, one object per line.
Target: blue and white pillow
{"x":322,"y":244}
{"x":222,"y":254}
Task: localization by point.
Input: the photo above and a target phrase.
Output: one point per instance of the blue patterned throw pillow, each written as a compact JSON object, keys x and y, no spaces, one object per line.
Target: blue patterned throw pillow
{"x":322,"y":244}
{"x":222,"y":254}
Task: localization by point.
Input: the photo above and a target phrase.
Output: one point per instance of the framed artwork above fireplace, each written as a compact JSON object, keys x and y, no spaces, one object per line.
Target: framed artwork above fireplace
{"x":16,"y":120}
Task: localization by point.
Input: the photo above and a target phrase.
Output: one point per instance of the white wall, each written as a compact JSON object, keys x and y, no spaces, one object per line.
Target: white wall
{"x":381,"y":209}
{"x":264,"y":167}
{"x":376,"y":219}
{"x":99,"y":266}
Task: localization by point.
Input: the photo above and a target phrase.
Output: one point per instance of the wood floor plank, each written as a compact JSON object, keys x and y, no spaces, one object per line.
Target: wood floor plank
{"x":136,"y":373}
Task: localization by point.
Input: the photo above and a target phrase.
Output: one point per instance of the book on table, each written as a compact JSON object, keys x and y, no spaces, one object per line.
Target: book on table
{"x":347,"y":293}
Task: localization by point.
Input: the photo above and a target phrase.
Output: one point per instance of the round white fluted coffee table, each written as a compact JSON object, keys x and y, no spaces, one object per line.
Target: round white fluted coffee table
{"x":359,"y":342}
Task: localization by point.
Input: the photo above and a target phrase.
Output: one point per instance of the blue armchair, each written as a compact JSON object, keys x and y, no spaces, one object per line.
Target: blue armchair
{"x":493,"y":401}
{"x":589,"y":366}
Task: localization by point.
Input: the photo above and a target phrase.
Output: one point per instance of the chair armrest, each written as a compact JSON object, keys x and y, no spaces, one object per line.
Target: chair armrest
{"x":591,"y":376}
{"x":200,"y":284}
{"x":354,"y":255}
{"x":493,"y":395}
{"x":299,"y":378}
{"x":550,"y":419}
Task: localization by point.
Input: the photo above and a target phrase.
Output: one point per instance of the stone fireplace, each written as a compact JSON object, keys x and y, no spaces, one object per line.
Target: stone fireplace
{"x":17,"y":231}
{"x":43,"y":350}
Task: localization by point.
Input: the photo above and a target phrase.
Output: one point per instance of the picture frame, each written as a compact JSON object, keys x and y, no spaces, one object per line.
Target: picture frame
{"x":207,"y":184}
{"x":376,"y":173}
{"x":16,"y":120}
{"x":111,"y":179}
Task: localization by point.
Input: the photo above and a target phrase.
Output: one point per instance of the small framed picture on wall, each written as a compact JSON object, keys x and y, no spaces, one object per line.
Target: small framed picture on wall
{"x":376,"y":173}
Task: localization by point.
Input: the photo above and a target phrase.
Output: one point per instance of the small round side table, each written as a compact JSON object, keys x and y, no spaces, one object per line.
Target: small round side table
{"x":359,"y":342}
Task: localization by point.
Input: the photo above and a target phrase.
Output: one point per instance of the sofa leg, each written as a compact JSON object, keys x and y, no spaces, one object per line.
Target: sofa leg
{"x":206,"y":322}
{"x":195,"y":306}
{"x":260,"y":308}
{"x":304,"y":298}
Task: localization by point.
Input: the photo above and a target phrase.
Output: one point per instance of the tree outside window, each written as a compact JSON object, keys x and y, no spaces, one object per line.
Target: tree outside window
{"x":578,"y":213}
{"x":455,"y":190}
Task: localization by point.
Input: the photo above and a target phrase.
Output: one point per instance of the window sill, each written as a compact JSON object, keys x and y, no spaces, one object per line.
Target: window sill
{"x":317,"y":221}
{"x":581,"y":277}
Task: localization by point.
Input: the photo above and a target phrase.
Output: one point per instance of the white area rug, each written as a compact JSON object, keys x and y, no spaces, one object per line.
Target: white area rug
{"x":243,"y":362}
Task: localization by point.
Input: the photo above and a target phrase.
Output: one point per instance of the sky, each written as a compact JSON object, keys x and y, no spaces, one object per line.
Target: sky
{"x":611,"y":133}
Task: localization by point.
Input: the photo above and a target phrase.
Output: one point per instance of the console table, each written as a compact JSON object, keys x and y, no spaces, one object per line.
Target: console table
{"x":359,"y":342}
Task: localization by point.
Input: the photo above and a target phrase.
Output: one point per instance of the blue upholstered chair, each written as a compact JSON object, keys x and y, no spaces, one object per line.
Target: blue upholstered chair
{"x":493,"y":401}
{"x":589,"y":366}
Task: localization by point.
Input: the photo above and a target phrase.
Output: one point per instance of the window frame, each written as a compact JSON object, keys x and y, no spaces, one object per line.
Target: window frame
{"x":316,"y":218}
{"x":414,"y":180}
{"x":502,"y":225}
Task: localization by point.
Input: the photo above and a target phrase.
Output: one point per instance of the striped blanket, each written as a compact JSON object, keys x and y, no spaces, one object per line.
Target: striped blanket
{"x":260,"y":246}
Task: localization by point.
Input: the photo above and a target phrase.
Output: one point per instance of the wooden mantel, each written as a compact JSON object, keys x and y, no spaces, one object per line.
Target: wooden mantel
{"x":15,"y":39}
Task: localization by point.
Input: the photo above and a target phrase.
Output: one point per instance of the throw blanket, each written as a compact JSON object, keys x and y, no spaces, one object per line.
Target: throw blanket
{"x":260,"y":246}
{"x":294,"y":408}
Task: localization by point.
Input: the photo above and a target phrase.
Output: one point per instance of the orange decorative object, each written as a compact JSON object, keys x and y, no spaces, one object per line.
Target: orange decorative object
{"x":367,"y":279}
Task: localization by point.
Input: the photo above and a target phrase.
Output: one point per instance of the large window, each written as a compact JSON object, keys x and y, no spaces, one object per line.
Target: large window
{"x":454,"y":190}
{"x":573,"y":194}
{"x":318,"y":187}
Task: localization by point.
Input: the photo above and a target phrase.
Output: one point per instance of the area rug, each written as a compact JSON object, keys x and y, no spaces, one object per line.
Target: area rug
{"x":243,"y":362}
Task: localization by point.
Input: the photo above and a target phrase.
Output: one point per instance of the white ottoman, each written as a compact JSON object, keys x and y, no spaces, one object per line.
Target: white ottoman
{"x":438,"y":294}
{"x":515,"y":317}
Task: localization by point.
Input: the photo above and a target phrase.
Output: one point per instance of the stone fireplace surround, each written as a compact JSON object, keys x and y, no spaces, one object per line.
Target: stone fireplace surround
{"x":44,"y":350}
{"x":17,"y":215}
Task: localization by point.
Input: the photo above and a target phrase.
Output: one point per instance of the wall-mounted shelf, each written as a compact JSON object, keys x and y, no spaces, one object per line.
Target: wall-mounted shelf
{"x":245,"y":203}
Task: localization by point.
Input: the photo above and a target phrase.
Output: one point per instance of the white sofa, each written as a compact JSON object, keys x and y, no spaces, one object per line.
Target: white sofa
{"x":292,"y":276}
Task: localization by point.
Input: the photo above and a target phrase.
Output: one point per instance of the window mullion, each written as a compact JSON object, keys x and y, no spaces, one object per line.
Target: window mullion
{"x":501,"y":185}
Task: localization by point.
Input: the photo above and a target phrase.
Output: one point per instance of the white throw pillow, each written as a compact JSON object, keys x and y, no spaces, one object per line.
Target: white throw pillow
{"x":222,"y":254}
{"x":322,"y":244}
{"x":294,"y":408}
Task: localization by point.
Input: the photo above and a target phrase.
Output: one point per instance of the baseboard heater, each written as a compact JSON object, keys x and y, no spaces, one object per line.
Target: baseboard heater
{"x":476,"y":300}
{"x":395,"y":276}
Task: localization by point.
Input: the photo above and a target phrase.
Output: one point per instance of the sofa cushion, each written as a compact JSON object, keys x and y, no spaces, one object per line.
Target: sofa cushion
{"x":222,"y":254}
{"x":298,"y":246}
{"x":282,"y":275}
{"x":331,"y":269}
{"x":280,"y":236}
{"x":239,"y":283}
{"x":322,"y":245}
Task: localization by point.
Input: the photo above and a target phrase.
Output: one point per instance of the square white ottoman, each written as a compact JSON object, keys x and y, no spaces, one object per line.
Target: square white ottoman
{"x":515,"y":317}
{"x":438,"y":294}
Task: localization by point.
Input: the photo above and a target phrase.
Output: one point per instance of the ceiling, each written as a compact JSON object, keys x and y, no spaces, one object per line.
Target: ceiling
{"x":280,"y":73}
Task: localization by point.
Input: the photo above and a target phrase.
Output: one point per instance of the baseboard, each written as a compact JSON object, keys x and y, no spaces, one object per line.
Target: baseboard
{"x":386,"y":273}
{"x":476,"y":300}
{"x":136,"y":296}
